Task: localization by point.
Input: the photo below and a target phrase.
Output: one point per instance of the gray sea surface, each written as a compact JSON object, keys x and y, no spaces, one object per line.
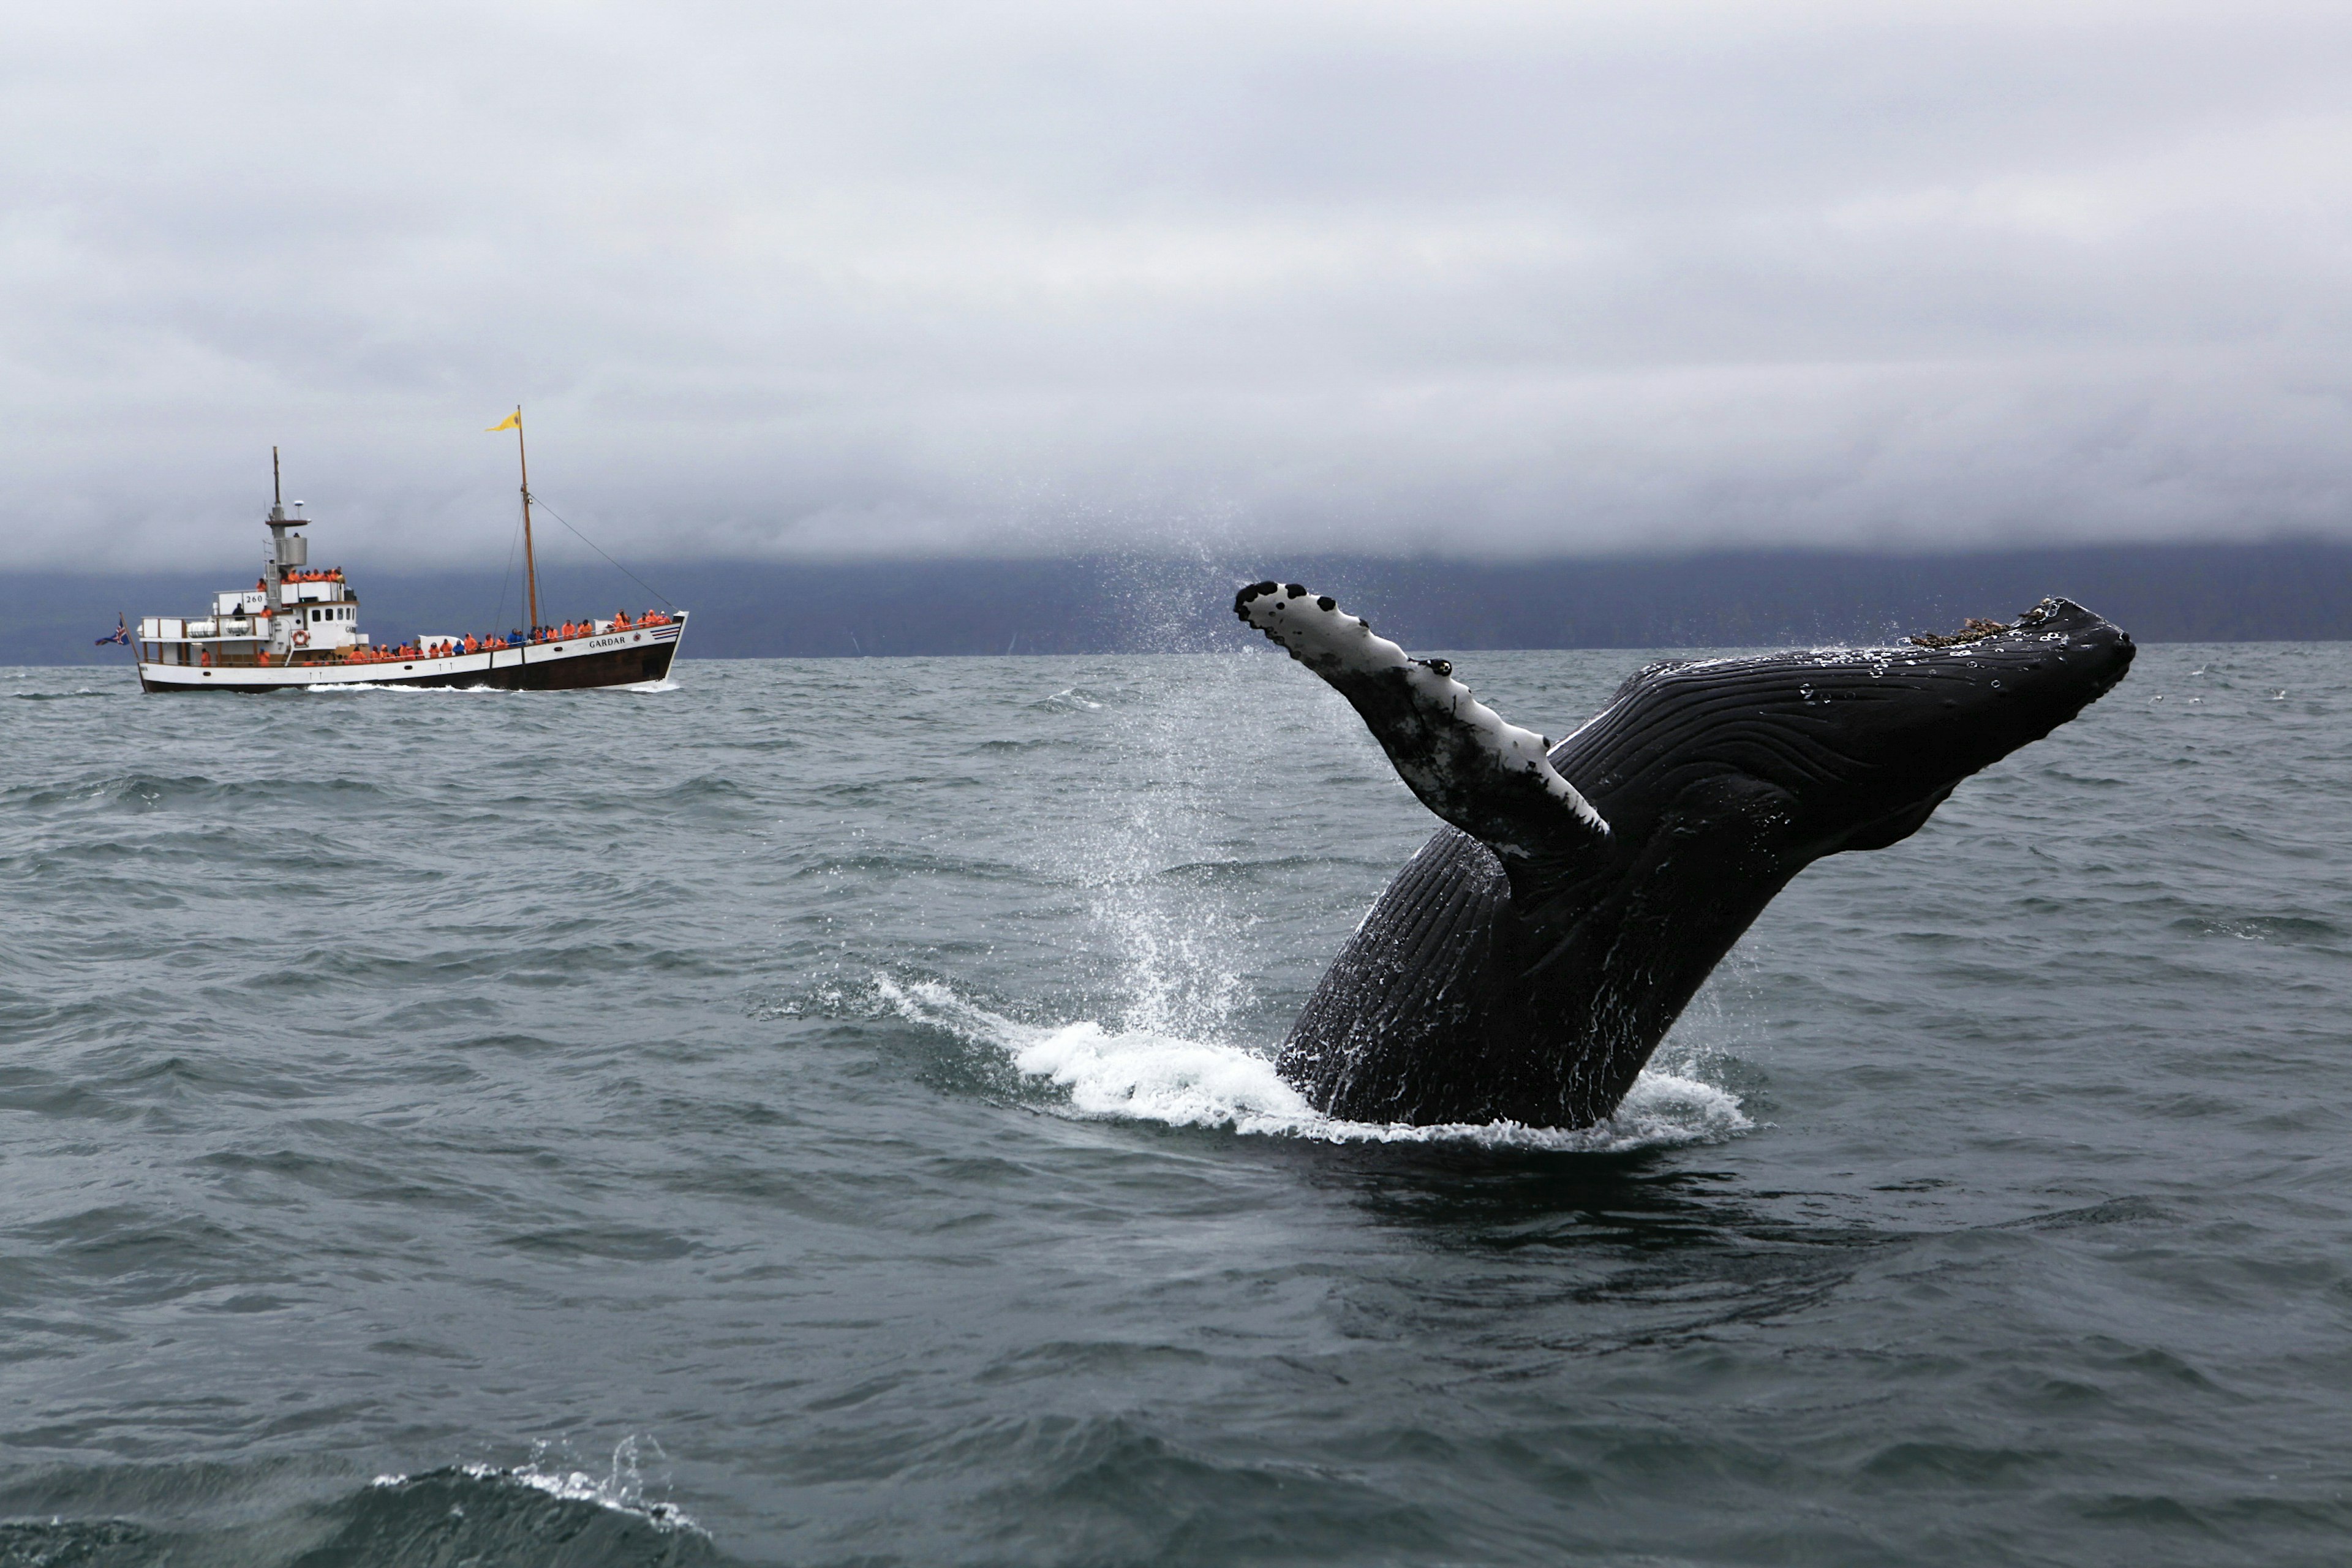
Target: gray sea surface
{"x":819,"y":1113}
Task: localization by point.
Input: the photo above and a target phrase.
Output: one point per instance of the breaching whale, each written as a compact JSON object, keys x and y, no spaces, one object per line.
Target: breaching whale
{"x":1523,"y":965}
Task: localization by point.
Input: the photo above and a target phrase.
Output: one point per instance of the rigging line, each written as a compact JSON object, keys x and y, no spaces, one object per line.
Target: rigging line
{"x":591,"y":545}
{"x":513,"y":544}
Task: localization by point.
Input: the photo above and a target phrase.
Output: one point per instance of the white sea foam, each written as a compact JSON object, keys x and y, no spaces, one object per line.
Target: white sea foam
{"x":1146,"y":1076}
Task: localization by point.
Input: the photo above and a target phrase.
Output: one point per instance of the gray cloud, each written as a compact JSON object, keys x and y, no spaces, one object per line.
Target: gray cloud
{"x":864,"y":279}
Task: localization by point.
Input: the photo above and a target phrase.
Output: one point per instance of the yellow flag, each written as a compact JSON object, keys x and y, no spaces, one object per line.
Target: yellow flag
{"x":511,"y":421}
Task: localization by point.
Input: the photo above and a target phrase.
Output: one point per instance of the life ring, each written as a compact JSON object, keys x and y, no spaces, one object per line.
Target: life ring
{"x":302,"y":639}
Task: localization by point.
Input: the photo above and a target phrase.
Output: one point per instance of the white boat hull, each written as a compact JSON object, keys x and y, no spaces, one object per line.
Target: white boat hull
{"x":615,"y":658}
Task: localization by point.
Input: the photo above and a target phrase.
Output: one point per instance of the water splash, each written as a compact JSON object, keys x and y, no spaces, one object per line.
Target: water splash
{"x":1145,"y":1075}
{"x":1157,"y":810}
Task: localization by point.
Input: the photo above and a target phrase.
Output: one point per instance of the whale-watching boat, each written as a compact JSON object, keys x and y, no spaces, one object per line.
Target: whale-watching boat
{"x":298,"y":626}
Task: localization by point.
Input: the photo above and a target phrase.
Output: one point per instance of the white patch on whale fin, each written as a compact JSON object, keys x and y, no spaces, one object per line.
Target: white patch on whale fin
{"x":1436,"y":733}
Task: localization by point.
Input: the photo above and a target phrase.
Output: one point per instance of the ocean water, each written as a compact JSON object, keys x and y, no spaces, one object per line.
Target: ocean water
{"x":819,"y":1113}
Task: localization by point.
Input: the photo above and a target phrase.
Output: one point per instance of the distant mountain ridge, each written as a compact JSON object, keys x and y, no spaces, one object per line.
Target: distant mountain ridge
{"x":2278,"y":591}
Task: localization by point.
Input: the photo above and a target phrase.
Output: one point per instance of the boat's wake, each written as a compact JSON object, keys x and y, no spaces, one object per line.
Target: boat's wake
{"x":322,"y":689}
{"x":1089,"y":1072}
{"x":336,"y":688}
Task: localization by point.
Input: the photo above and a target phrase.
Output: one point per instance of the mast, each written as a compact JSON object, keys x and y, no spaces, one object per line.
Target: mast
{"x":276,"y":565}
{"x":529,"y":569}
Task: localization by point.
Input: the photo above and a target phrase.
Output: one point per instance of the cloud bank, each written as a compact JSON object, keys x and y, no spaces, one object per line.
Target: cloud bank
{"x":865,"y":279}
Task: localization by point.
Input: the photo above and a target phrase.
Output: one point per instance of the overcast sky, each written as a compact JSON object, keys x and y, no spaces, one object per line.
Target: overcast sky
{"x":857,"y":278}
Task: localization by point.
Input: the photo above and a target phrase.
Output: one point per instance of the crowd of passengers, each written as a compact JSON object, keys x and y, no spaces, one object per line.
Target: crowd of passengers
{"x":447,"y":648}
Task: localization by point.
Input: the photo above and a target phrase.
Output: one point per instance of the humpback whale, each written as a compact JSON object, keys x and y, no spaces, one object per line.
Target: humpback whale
{"x":1526,"y":961}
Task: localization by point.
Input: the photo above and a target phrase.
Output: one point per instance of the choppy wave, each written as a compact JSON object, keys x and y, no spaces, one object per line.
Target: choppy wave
{"x":531,"y":1516}
{"x":1146,"y":1076}
{"x":622,"y":1489}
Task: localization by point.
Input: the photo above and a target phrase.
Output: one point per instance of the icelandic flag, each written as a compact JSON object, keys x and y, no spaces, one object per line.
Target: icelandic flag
{"x":121,"y":634}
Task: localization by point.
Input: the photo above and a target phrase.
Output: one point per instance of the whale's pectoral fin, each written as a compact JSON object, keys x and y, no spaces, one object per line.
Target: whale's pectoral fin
{"x":1483,"y":775}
